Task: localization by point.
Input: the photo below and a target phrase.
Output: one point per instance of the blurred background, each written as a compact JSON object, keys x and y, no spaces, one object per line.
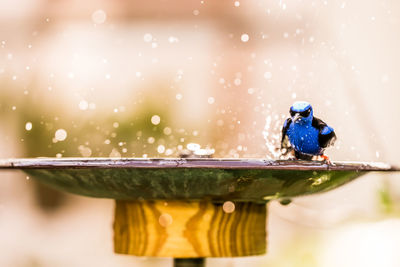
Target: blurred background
{"x":104,"y":78}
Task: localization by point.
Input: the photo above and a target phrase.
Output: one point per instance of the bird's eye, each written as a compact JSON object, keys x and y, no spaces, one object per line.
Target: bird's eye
{"x":305,"y":113}
{"x":292,"y":113}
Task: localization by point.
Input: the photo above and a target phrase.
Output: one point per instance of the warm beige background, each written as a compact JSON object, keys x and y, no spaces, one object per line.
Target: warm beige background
{"x":59,"y":61}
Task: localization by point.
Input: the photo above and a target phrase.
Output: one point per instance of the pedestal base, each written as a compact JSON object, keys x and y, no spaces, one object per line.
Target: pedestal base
{"x":189,"y":262}
{"x":192,"y":229}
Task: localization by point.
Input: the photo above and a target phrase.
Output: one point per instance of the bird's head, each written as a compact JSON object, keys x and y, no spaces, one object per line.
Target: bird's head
{"x":301,"y":112}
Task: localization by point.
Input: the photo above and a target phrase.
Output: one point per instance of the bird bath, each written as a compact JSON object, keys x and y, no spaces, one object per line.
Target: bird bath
{"x":191,"y":209}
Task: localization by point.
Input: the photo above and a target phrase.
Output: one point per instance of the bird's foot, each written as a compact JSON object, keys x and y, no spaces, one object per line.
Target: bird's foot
{"x":286,"y":153}
{"x":326,"y":159}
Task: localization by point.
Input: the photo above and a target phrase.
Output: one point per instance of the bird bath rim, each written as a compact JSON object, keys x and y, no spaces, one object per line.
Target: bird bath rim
{"x":192,"y":163}
{"x":254,"y":180}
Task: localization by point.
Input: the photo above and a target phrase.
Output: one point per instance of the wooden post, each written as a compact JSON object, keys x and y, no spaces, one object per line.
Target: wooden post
{"x":195,"y":229}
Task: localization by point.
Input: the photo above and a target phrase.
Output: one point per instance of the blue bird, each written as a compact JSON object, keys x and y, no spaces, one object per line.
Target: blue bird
{"x":307,"y":135}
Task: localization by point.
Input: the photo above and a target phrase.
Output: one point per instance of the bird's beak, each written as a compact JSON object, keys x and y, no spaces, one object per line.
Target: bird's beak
{"x":296,"y":117}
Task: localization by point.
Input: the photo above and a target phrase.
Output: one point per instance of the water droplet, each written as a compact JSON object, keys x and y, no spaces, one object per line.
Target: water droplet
{"x":211,"y":100}
{"x":267,"y":75}
{"x":107,"y":141}
{"x":85,"y":151}
{"x":161,"y":149}
{"x":115,"y":154}
{"x":245,"y":37}
{"x":99,"y":16}
{"x":83,"y":105}
{"x":165,"y":220}
{"x":237,"y":3}
{"x":28,"y":126}
{"x":193,"y":146}
{"x":155,"y":119}
{"x":173,"y":39}
{"x":167,"y":130}
{"x":179,"y":96}
{"x":204,"y":152}
{"x":148,"y":37}
{"x":60,"y":135}
{"x":228,"y":207}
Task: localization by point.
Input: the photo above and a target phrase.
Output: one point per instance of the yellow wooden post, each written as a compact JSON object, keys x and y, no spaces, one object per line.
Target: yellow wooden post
{"x":189,"y":229}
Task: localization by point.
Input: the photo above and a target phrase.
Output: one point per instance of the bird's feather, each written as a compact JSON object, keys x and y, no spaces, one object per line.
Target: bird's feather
{"x":285,"y":140}
{"x":326,"y":136}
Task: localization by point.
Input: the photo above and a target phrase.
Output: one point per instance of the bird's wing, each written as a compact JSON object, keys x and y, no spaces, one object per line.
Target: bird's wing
{"x":326,"y":136}
{"x":285,"y":140}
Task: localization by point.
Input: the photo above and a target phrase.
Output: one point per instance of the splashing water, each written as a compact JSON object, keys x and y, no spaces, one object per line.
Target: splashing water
{"x":272,"y":136}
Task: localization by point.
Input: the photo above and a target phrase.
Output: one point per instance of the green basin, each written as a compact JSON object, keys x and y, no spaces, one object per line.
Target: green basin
{"x":256,"y":180}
